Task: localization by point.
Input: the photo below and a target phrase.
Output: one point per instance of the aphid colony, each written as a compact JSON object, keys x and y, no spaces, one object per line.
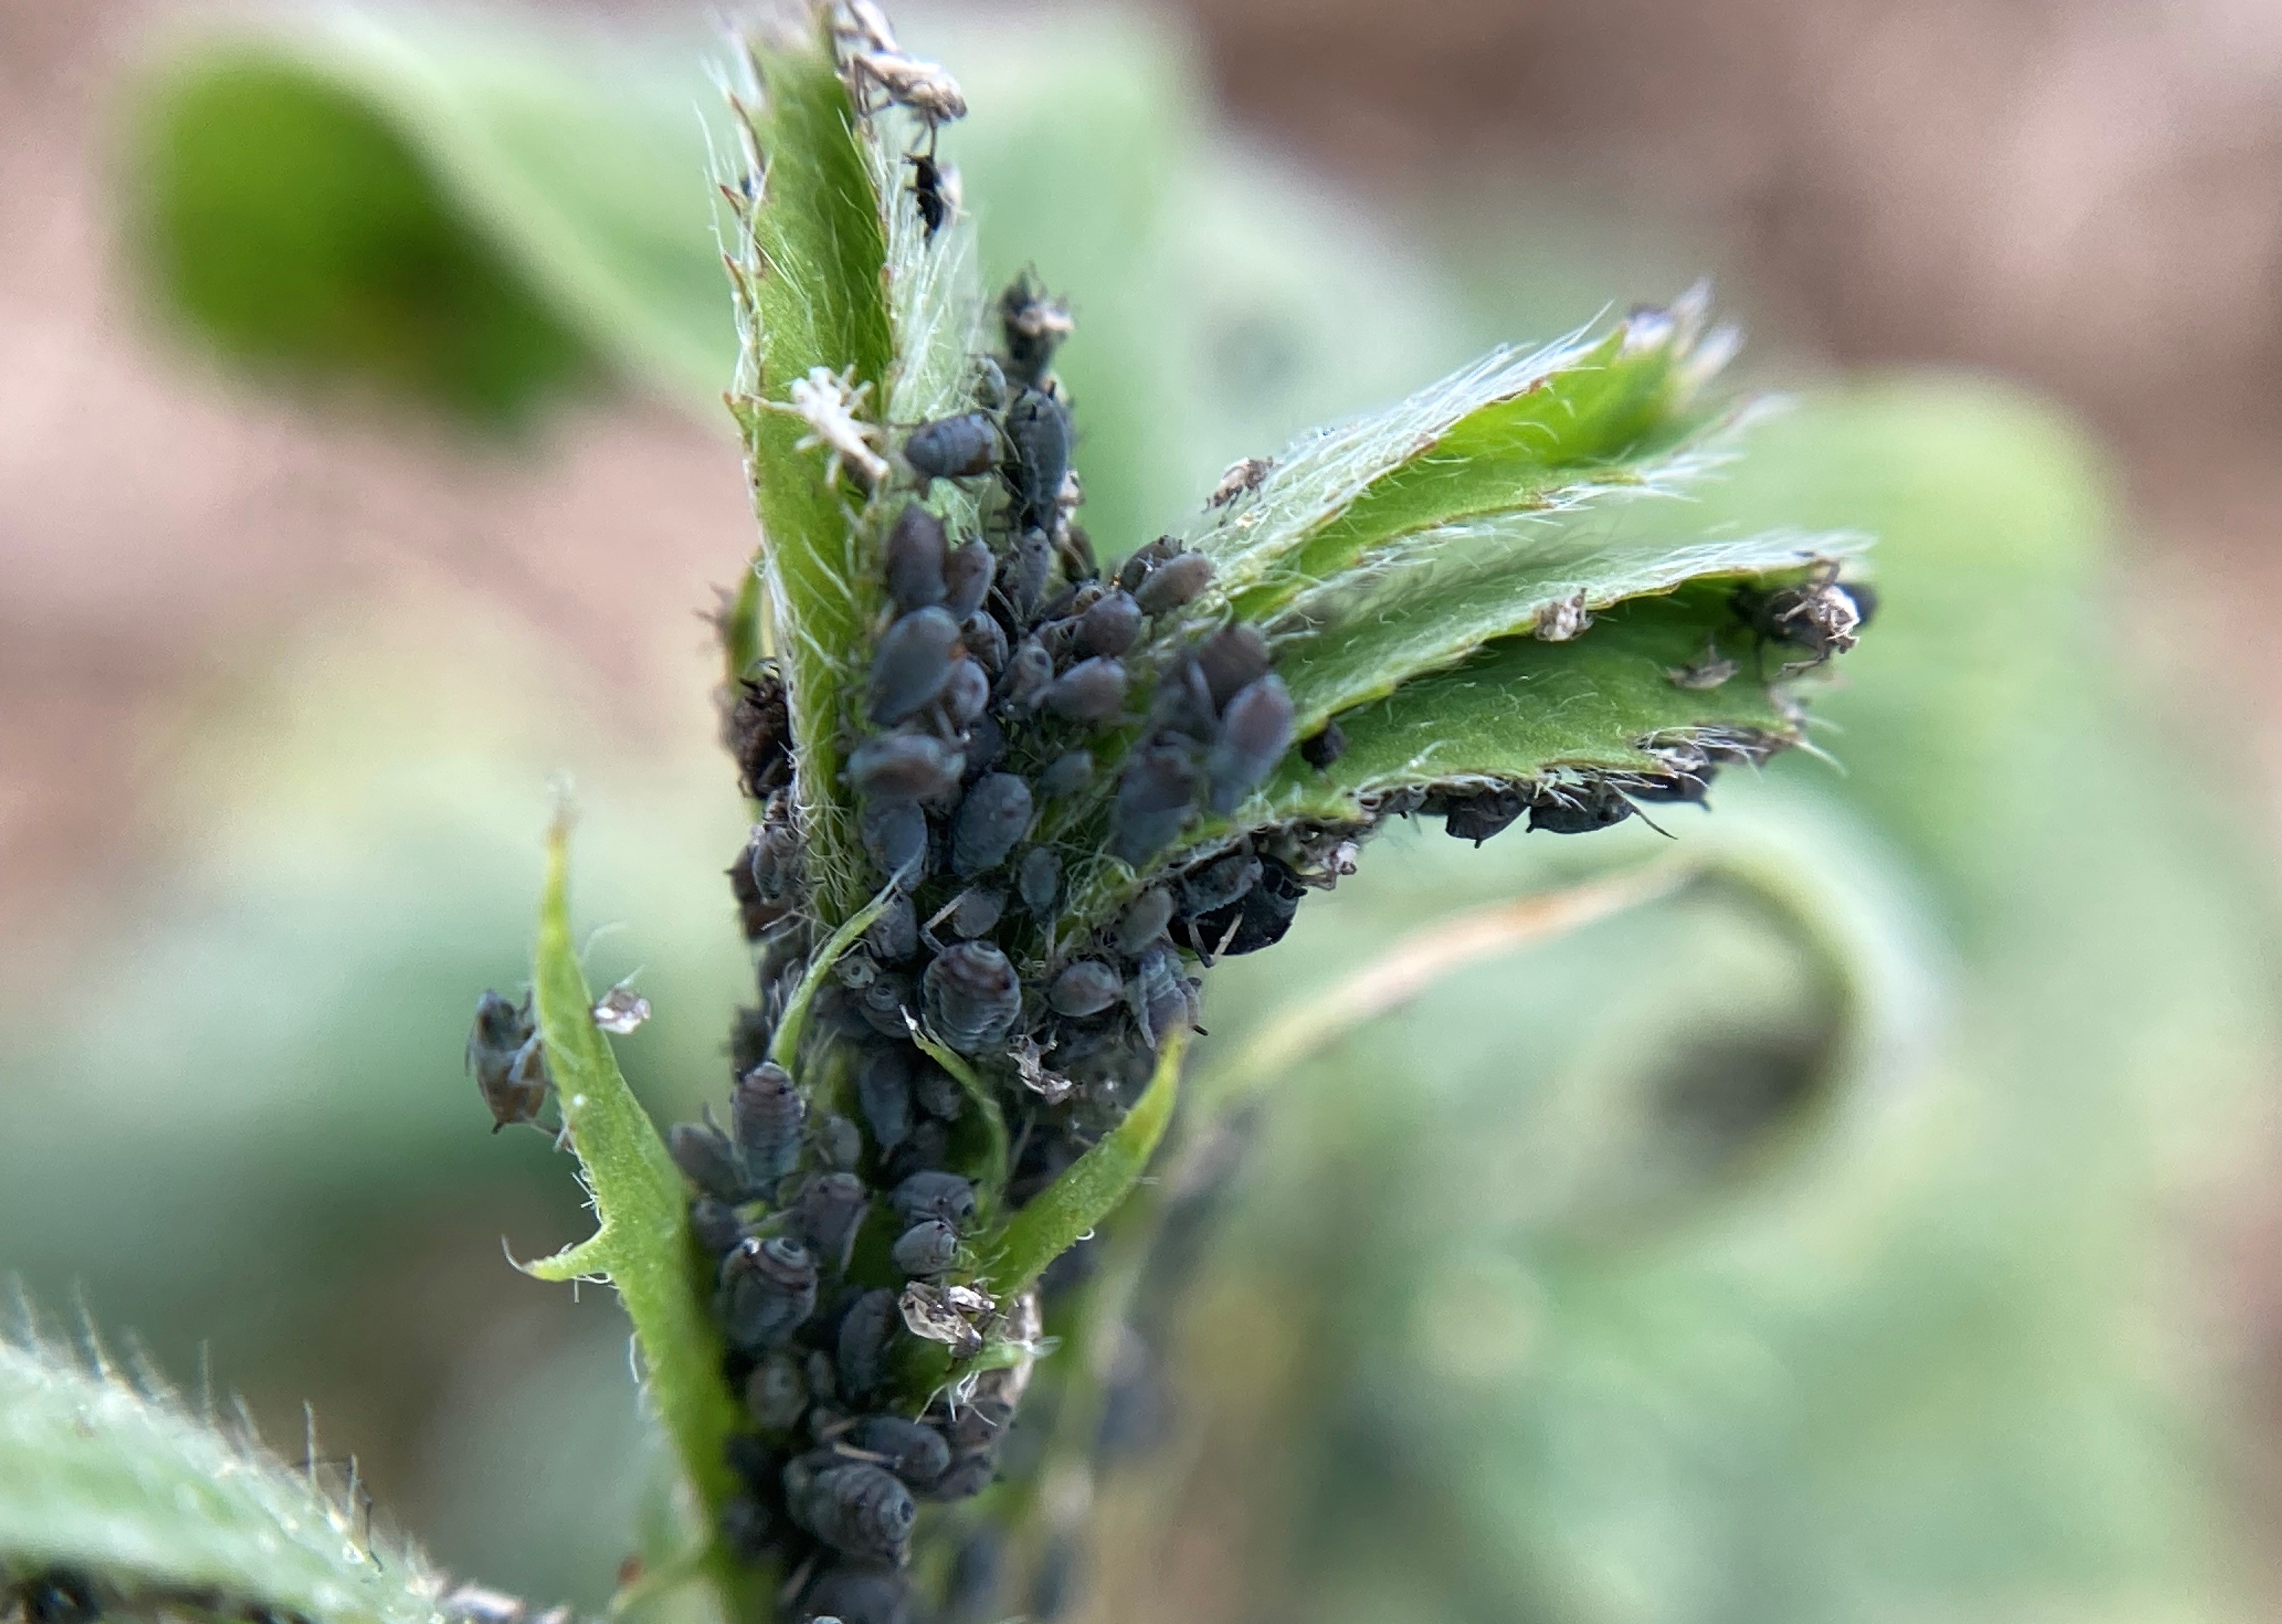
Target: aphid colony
{"x":66,"y":1596}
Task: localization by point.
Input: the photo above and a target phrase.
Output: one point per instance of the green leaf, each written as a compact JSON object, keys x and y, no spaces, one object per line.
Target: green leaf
{"x":1090,"y":1188}
{"x":644,"y":1247}
{"x":124,"y":1485}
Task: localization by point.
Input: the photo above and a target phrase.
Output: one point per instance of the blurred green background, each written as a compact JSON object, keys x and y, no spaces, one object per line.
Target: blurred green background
{"x":365,"y":468}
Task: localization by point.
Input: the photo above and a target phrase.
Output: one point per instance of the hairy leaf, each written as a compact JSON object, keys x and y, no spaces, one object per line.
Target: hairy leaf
{"x":124,"y":1485}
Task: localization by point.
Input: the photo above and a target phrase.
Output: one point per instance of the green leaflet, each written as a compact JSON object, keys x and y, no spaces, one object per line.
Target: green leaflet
{"x":1521,"y":705}
{"x":129,"y":1488}
{"x":644,"y":1247}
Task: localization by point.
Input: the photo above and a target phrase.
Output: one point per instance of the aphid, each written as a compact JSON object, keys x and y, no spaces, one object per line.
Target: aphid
{"x":1217,"y":883}
{"x":1257,"y":920}
{"x":772,"y":859}
{"x":912,"y":1449}
{"x":827,"y":402}
{"x":1243,"y":476}
{"x":1110,"y":624}
{"x":1067,"y":774}
{"x":746,"y":1527}
{"x":976,"y":912}
{"x":1143,"y":921}
{"x":907,"y":81}
{"x":768,"y":1291}
{"x":1478,"y":816}
{"x":621,"y":1011}
{"x":1254,"y":733}
{"x":708,"y":1158}
{"x":974,"y":998}
{"x":758,"y":731}
{"x":938,"y":1093}
{"x":776,"y":1393}
{"x":968,"y":573}
{"x":1034,"y":324}
{"x":1089,"y":691}
{"x":883,"y":1092}
{"x":861,"y":1348}
{"x":935,"y":1195}
{"x":715,"y":1223}
{"x":895,"y":835}
{"x":969,"y":1474}
{"x":904,"y":766}
{"x":895,"y":935}
{"x":839,"y":1142}
{"x":953,"y":447}
{"x":995,"y":815}
{"x":945,"y":1314}
{"x":1038,"y":435}
{"x":913,"y":560}
{"x":913,"y":665}
{"x":1162,"y":997}
{"x":1558,"y":622}
{"x":1156,"y":794}
{"x":881,"y":1004}
{"x":1030,"y":671}
{"x":1819,"y":615}
{"x":928,"y":1247}
{"x":1323,"y":747}
{"x":854,"y":1593}
{"x":827,"y":1214}
{"x":934,"y":188}
{"x":1086,"y":988}
{"x":1231,"y":659}
{"x":985,"y":639}
{"x":1593,"y":804}
{"x":858,"y":1509}
{"x":767,"y":1113}
{"x":926,"y":1151}
{"x":1028,"y":566}
{"x":986,"y":746}
{"x":967,"y":692}
{"x":1709,"y":673}
{"x":1038,"y":879}
{"x":1173,"y":583}
{"x":1136,"y":568}
{"x":508,"y":1059}
{"x":1677,"y":786}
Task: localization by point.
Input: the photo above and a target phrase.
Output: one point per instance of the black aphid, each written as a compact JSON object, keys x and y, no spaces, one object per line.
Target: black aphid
{"x":977,"y":911}
{"x":991,"y":821}
{"x":1319,"y":749}
{"x":1482,"y":813}
{"x":912,"y":1451}
{"x":1038,"y":441}
{"x":966,"y":693}
{"x":913,"y":665}
{"x":708,"y":1159}
{"x":928,"y":1247}
{"x":1030,"y":566}
{"x":935,"y":1195}
{"x":712,"y":1220}
{"x":758,"y":731}
{"x":967,"y":573}
{"x":855,"y":1507}
{"x":768,"y":1289}
{"x":905,"y":767}
{"x":973,"y":997}
{"x":915,"y":560}
{"x":1029,"y":672}
{"x":1579,"y":809}
{"x":1254,"y":733}
{"x":895,"y":835}
{"x":827,"y":1214}
{"x":1145,"y":921}
{"x":986,"y":642}
{"x":861,"y":1346}
{"x":1086,"y":988}
{"x":953,"y":447}
{"x":776,"y":1393}
{"x":1232,"y":660}
{"x":766,"y":1114}
{"x":1173,"y":583}
{"x":508,"y":1059}
{"x":938,"y":1093}
{"x":1092,"y":690}
{"x":1156,"y":795}
{"x":855,"y":1593}
{"x":1213,"y":885}
{"x":895,"y":935}
{"x":1067,"y":774}
{"x":934,"y":188}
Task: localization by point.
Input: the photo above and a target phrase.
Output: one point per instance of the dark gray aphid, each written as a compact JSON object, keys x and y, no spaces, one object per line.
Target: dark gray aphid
{"x":1067,"y":774}
{"x":1038,"y":438}
{"x":1038,"y":878}
{"x":766,"y":1114}
{"x":1156,"y":794}
{"x":708,"y":1160}
{"x":904,"y":766}
{"x":1692,"y":788}
{"x":758,"y":731}
{"x":1478,"y":816}
{"x":914,"y":558}
{"x":938,"y":1093}
{"x":883,"y":1092}
{"x":977,"y":911}
{"x":882,"y":1004}
{"x":1323,"y":747}
{"x":1030,"y":671}
{"x":1110,"y":624}
{"x":895,"y":835}
{"x":714,"y":1222}
{"x":967,"y":692}
{"x":772,"y":859}
{"x":1184,"y":706}
{"x":1254,"y":733}
{"x":953,"y":447}
{"x":1136,"y":568}
{"x":1030,"y":566}
{"x":1089,"y":691}
{"x":1035,"y":323}
{"x":912,"y":1449}
{"x":966,"y":575}
{"x":768,"y":1291}
{"x":858,"y":1509}
{"x":928,"y":1247}
{"x":913,"y":665}
{"x":1563,"y":810}
{"x":927,"y":1150}
{"x":839,"y":1142}
{"x":991,"y":821}
{"x":974,"y":998}
{"x":1143,"y":921}
{"x":986,"y":642}
{"x":1231,"y":659}
{"x":933,"y":1194}
{"x":1257,"y":920}
{"x":508,"y":1059}
{"x":1219,"y":883}
{"x":776,"y":1393}
{"x":827,"y":1214}
{"x":1174,"y":583}
{"x":1163,"y":1001}
{"x":1086,"y":988}
{"x":895,"y":935}
{"x":747,"y":1529}
{"x":855,"y":1593}
{"x":865,"y":1331}
{"x":969,"y":1475}
{"x":986,"y":746}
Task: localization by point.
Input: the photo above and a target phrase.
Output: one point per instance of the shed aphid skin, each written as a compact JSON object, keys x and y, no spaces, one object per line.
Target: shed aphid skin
{"x":1559,"y":622}
{"x":828,"y":401}
{"x":508,"y":1059}
{"x":1822,"y":615}
{"x":1241,"y":478}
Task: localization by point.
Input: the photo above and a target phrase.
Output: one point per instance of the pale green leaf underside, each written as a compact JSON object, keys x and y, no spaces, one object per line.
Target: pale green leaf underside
{"x":1520,"y":706}
{"x":97,"y":1477}
{"x":644,"y":1247}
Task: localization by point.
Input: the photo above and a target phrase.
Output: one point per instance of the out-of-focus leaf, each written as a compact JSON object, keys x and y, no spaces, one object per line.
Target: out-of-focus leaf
{"x":123,"y":1486}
